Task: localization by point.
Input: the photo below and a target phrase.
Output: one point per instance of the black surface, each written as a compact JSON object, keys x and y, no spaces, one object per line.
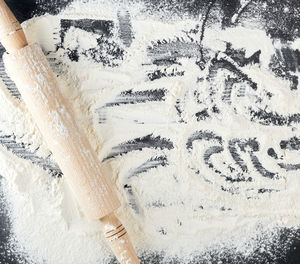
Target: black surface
{"x":277,"y":23}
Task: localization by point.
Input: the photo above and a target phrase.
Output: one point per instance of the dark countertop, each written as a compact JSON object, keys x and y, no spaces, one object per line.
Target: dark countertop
{"x":277,"y":25}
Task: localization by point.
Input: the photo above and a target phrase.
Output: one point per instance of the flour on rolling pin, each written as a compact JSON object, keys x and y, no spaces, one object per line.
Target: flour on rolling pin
{"x":186,"y":138}
{"x":31,"y":73}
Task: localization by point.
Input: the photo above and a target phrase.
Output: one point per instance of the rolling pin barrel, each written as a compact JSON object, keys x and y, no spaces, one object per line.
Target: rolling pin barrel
{"x":38,"y":86}
{"x":30,"y":70}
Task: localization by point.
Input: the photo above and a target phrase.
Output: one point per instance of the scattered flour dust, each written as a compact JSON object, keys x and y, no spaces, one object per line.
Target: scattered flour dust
{"x":178,"y":209}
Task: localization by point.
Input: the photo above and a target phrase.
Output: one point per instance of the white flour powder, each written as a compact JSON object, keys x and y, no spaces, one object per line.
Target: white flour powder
{"x":185,"y":206}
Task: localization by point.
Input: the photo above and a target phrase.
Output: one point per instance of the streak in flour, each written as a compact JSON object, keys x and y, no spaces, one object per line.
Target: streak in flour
{"x":188,"y":156}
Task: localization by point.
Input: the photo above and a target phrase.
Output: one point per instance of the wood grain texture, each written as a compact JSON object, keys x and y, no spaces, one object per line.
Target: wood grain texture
{"x":118,"y":239}
{"x":64,"y":137}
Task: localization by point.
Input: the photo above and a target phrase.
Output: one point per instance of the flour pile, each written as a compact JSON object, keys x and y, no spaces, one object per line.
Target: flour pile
{"x":197,"y":128}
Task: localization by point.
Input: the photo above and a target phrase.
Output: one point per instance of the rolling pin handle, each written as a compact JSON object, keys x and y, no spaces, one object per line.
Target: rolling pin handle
{"x":11,"y":33}
{"x":118,"y":239}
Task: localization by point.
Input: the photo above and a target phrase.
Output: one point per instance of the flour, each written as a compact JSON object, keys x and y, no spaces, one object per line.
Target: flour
{"x":204,"y":161}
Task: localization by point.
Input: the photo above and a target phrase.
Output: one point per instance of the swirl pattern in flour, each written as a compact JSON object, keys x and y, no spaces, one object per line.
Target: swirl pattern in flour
{"x":196,"y":119}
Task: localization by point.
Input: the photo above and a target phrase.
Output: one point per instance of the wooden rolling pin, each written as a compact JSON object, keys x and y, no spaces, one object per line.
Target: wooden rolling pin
{"x":71,"y":149}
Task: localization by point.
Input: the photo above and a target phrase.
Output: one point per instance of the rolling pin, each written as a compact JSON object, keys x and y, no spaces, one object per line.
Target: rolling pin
{"x":30,"y":70}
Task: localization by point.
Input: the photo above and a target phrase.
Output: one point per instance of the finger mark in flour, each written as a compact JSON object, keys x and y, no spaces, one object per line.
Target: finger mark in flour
{"x":140,"y":143}
{"x":151,"y":163}
{"x":21,"y":150}
{"x":207,"y":155}
{"x":166,"y":62}
{"x":156,"y":204}
{"x":202,"y":135}
{"x":261,"y":169}
{"x":229,"y":82}
{"x":233,"y":176}
{"x":168,"y":51}
{"x":267,"y":118}
{"x":132,"y":97}
{"x":227,"y":181}
{"x":250,"y":146}
{"x":289,"y":167}
{"x":12,"y":88}
{"x":125,"y":28}
{"x":217,"y":64}
{"x":164,"y":73}
{"x":132,"y":201}
{"x":232,"y":146}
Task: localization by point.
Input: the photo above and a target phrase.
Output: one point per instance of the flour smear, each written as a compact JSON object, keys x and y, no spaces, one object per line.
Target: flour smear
{"x":199,"y":134}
